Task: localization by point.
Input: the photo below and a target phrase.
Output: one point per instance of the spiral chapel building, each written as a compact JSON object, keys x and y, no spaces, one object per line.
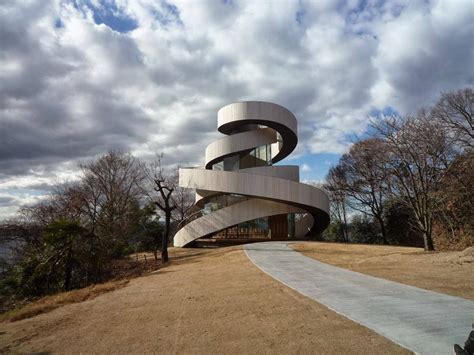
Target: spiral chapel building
{"x":240,"y":195}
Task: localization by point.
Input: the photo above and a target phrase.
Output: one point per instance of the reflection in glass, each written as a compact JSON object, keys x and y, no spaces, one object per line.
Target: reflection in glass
{"x":220,"y":201}
{"x":260,"y":156}
{"x":273,"y":227}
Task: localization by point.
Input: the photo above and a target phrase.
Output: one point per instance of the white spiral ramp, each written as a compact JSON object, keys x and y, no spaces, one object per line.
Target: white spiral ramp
{"x":260,"y":191}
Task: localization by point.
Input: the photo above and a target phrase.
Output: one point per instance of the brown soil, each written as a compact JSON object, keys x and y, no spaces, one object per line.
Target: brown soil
{"x":204,"y":301}
{"x":451,"y":273}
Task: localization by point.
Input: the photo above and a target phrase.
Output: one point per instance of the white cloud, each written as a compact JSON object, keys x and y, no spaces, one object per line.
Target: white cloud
{"x":306,"y":168}
{"x":70,"y":92}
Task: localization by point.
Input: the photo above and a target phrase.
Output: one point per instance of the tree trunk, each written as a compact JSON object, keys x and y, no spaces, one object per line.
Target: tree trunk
{"x":382,"y":230}
{"x":345,"y":233}
{"x":428,"y":242}
{"x":68,"y":272}
{"x":89,"y":259}
{"x":164,"y":246}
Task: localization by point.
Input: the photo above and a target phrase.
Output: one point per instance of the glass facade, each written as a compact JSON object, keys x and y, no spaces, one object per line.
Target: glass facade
{"x":291,"y":225}
{"x":260,"y":156}
{"x":220,"y":201}
{"x":272,"y":227}
{"x":218,"y":166}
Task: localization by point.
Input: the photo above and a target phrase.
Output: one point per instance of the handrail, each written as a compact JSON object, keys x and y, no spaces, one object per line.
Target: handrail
{"x":189,"y":219}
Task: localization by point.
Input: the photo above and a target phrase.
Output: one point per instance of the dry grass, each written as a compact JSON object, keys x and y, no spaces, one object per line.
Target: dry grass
{"x":451,"y":273}
{"x":122,"y":269}
{"x":48,"y":303}
{"x":203,"y":301}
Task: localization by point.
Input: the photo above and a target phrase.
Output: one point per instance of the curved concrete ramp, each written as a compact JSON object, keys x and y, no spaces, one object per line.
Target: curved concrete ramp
{"x":422,"y":321}
{"x":268,"y":190}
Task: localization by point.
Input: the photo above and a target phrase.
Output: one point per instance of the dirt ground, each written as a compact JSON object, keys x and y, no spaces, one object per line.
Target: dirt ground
{"x":205,"y":301}
{"x":451,"y":273}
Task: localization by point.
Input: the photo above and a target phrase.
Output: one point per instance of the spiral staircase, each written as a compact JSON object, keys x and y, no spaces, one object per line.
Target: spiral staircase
{"x":239,"y":188}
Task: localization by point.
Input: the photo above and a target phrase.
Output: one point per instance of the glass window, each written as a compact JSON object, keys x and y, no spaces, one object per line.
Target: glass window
{"x":218,"y":166}
{"x":291,"y":225}
{"x":231,"y":163}
{"x":276,"y":227}
{"x":260,"y":156}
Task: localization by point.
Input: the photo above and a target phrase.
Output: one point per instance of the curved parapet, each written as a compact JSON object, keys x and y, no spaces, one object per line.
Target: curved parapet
{"x":238,"y":187}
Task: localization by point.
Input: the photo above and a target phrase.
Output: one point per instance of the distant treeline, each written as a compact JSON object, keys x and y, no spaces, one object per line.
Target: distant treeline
{"x":69,"y":240}
{"x":411,"y":181}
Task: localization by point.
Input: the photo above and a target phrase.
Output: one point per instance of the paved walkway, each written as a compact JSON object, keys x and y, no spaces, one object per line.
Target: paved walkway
{"x":422,"y":321}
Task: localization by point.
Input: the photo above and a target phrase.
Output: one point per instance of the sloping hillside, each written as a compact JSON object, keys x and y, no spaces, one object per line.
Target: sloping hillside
{"x":205,"y":301}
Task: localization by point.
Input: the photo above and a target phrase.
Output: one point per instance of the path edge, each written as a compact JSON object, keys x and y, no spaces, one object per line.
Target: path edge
{"x":328,"y":307}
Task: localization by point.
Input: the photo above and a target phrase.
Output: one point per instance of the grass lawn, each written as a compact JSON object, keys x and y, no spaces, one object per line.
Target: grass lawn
{"x":204,"y":301}
{"x":451,"y":273}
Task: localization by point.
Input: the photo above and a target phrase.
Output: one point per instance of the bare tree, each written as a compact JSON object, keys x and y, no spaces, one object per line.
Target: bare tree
{"x":60,"y":203}
{"x":335,"y":186}
{"x":183,"y":199}
{"x":17,"y":232}
{"x":419,"y":152}
{"x":454,"y":219}
{"x":455,"y":110}
{"x":90,"y":200}
{"x":162,"y":195}
{"x":367,"y":179}
{"x":110,"y":192}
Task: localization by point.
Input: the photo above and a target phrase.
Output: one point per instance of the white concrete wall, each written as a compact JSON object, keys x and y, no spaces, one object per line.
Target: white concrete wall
{"x":272,"y":189}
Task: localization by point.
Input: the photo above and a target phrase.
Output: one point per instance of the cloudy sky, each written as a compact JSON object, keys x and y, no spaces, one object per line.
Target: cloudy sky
{"x":78,"y":78}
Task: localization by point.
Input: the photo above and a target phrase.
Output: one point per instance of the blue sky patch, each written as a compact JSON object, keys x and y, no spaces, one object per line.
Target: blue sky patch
{"x":318,"y":163}
{"x":110,"y":15}
{"x":299,"y":15}
{"x":58,"y":23}
{"x":386,"y":111}
{"x":170,"y":15}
